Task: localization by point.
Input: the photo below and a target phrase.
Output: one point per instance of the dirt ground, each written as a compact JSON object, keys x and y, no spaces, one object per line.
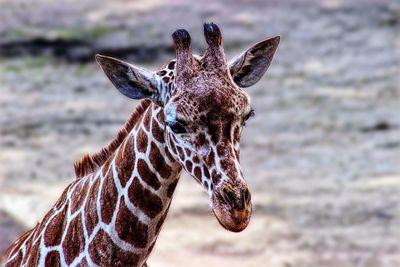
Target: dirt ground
{"x":322,"y":155}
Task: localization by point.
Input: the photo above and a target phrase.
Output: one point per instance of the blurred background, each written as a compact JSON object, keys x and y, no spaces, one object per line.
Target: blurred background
{"x":322,"y":155}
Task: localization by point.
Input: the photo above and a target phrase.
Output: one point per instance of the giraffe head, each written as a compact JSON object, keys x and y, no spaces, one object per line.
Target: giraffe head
{"x":205,"y":110}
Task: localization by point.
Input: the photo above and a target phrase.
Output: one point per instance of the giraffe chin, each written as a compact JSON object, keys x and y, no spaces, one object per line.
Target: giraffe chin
{"x":231,"y":219}
{"x":234,"y":223}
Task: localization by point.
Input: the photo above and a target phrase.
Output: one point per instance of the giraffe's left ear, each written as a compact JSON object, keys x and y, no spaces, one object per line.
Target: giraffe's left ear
{"x":249,"y":67}
{"x":131,"y":81}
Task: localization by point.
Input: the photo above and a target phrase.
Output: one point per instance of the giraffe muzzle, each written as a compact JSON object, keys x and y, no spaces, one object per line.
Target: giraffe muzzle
{"x":232,"y":207}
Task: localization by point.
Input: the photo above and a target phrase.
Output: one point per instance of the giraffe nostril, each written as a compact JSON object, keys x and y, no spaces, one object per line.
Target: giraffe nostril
{"x":246,"y":197}
{"x":228,"y":196}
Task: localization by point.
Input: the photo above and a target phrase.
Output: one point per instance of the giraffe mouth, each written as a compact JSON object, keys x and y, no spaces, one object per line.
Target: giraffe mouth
{"x":233,"y":223}
{"x":232,"y":219}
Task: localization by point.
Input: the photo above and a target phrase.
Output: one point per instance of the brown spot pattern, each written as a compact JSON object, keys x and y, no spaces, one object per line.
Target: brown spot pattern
{"x":171,"y":188}
{"x":52,"y":259}
{"x":141,"y":141}
{"x":160,"y":116}
{"x":181,"y":153}
{"x":173,"y":147}
{"x":106,"y":166}
{"x":104,"y":252}
{"x":78,"y":195}
{"x":171,"y":65}
{"x":147,"y":120}
{"x":215,"y":176}
{"x":109,"y":198}
{"x":54,"y":229}
{"x":125,"y":162}
{"x":129,"y":228}
{"x":210,"y":158}
{"x":145,"y":200}
{"x":91,"y":216}
{"x":169,"y":155}
{"x":206,"y":172}
{"x":157,"y":133}
{"x":74,"y":242}
{"x":34,"y":255}
{"x":195,"y":159}
{"x":42,"y":224}
{"x":158,"y":162}
{"x":197,"y":172}
{"x":82,"y":263}
{"x":189,"y":166}
{"x":147,"y":175}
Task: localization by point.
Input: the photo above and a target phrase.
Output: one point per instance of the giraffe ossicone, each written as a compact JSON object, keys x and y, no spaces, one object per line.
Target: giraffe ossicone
{"x":190,"y":118}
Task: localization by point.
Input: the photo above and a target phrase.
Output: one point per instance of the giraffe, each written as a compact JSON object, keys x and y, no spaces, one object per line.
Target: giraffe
{"x":189,"y":119}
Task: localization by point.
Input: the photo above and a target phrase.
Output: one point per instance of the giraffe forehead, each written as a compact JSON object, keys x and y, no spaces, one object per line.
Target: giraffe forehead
{"x":206,"y":93}
{"x":212,"y":102}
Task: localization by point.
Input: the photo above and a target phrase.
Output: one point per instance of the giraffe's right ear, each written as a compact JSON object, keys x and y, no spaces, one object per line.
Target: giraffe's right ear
{"x":131,"y":81}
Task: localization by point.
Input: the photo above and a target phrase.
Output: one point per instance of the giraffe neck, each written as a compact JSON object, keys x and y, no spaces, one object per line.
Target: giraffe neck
{"x":138,"y":181}
{"x":145,"y":176}
{"x":111,"y":217}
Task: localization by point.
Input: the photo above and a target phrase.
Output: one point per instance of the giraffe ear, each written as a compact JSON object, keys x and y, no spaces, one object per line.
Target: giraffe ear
{"x":131,"y":81}
{"x":249,"y":67}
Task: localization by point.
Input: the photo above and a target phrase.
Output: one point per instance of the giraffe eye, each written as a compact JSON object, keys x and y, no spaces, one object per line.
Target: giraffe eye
{"x":252,"y":113}
{"x":176,"y":127}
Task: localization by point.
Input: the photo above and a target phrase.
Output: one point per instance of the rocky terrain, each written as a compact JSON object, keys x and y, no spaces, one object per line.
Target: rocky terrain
{"x":322,"y":155}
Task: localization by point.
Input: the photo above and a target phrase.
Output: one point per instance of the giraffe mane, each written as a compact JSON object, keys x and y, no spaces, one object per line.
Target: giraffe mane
{"x":16,"y":244}
{"x":90,"y":163}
